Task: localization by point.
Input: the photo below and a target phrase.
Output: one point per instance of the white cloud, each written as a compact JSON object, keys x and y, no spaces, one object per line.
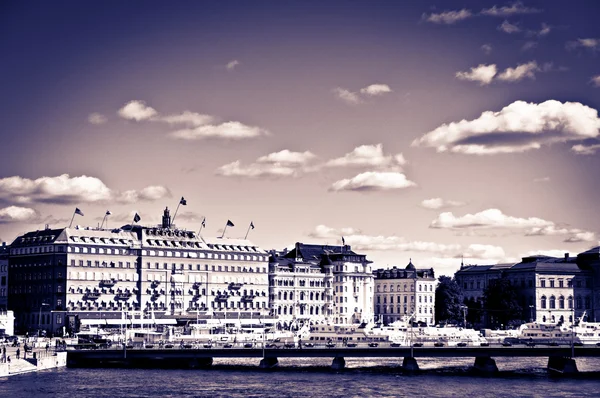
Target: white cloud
{"x":287,"y":157}
{"x":69,"y":190}
{"x":188,"y":118}
{"x":487,"y":49}
{"x":448,"y":17}
{"x":529,"y":45}
{"x":572,"y":234}
{"x":595,"y":80}
{"x":137,"y":110}
{"x":368,"y":155}
{"x":96,"y":118}
{"x":544,"y":30}
{"x":439,"y":203}
{"x":550,"y":253}
{"x":12,"y":214}
{"x":373,"y":181}
{"x":542,"y":179}
{"x":585,"y":149}
{"x":228,"y":130}
{"x":509,"y":28}
{"x":589,"y":43}
{"x":486,"y":252}
{"x":347,"y":96}
{"x":490,"y":218}
{"x":505,"y":11}
{"x":520,"y":72}
{"x":231,"y":65}
{"x":150,"y":194}
{"x":255,"y":170}
{"x":376,"y":89}
{"x":484,"y":74}
{"x":518,"y":127}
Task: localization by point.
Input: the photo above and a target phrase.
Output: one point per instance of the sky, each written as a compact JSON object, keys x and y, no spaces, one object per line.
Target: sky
{"x":438,"y":132}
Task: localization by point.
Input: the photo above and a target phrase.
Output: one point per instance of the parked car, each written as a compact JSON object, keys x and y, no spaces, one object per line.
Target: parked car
{"x":462,"y":344}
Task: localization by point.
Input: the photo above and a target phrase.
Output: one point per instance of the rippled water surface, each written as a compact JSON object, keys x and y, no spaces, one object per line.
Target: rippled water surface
{"x":523,"y":377}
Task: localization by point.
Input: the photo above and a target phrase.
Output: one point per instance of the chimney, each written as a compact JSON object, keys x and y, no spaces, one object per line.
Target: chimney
{"x":566,"y":257}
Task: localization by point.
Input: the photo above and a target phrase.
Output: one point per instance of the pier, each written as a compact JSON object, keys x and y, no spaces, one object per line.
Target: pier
{"x":560,"y":359}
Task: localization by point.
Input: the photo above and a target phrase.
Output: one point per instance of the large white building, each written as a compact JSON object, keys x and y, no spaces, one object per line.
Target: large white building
{"x":58,"y":277}
{"x":321,"y":283}
{"x":402,"y":293}
{"x":3,"y":276}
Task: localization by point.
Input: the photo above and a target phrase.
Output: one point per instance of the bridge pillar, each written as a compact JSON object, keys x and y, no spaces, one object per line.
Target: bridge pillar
{"x":338,"y":363}
{"x":485,"y":365}
{"x":268,"y":363}
{"x":409,"y":364}
{"x":562,"y":365}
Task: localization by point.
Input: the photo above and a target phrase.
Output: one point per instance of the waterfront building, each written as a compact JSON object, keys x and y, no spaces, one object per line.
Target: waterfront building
{"x":3,"y":276}
{"x":321,"y":283}
{"x":402,"y":292}
{"x":59,"y":277}
{"x":550,"y":289}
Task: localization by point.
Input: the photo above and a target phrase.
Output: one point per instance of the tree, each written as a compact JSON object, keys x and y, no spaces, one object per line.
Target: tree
{"x":502,"y":304}
{"x":448,"y":301}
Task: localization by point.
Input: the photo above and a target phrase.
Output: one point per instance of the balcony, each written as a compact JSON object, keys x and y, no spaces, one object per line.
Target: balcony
{"x":247,"y":298}
{"x":221,"y":297}
{"x":92,"y":295}
{"x":235,"y":286}
{"x":122,"y":296}
{"x":107,"y":283}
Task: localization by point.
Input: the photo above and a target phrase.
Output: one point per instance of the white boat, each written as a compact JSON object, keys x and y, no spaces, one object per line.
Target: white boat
{"x":587,"y":332}
{"x":352,"y":335}
{"x":544,"y":333}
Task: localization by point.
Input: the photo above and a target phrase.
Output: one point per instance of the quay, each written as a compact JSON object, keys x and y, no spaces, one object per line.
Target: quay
{"x":560,"y":359}
{"x":33,"y":361}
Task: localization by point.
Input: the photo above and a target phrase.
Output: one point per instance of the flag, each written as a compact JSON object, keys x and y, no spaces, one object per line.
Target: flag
{"x":204,"y":222}
{"x":136,"y":218}
{"x":230,"y":224}
{"x":343,"y":241}
{"x":183,"y":201}
{"x":251,"y":225}
{"x":108,"y":213}
{"x":77,"y":211}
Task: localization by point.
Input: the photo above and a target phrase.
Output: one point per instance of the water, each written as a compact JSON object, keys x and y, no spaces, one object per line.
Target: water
{"x":518,"y":377}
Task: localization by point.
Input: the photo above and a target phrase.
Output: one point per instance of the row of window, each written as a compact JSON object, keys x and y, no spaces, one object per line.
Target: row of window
{"x":37,"y":250}
{"x":406,"y":288}
{"x":401,"y":310}
{"x":422,"y":299}
{"x":551,"y":302}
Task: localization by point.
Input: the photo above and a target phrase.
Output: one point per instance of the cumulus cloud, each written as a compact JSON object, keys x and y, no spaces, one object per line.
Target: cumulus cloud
{"x":137,"y":110}
{"x":572,"y":235}
{"x":255,"y":170}
{"x":65,"y":189}
{"x":581,"y":149}
{"x":484,"y":74}
{"x":148,"y":194}
{"x":347,"y":96}
{"x":544,"y":30}
{"x":487,"y":49}
{"x":439,"y":203}
{"x":448,"y":17}
{"x":376,"y":89}
{"x":486,"y":252}
{"x":520,"y":72}
{"x":550,"y":253}
{"x":12,"y":214}
{"x":188,"y":118}
{"x":589,"y":43}
{"x":369,"y":156}
{"x":231,"y":65}
{"x":595,"y":81}
{"x":287,"y":157}
{"x":495,"y":219}
{"x":514,"y":9}
{"x":518,"y":127}
{"x":373,"y":181}
{"x":508,"y":27}
{"x":490,"y":218}
{"x":227,"y":130}
{"x":96,"y":118}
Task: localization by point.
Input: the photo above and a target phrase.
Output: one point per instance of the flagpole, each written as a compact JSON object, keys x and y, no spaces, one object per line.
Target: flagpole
{"x":224,"y":231}
{"x":201,"y":225}
{"x":248,"y":231}
{"x":175,"y":215}
{"x":104,"y":219}
{"x":72,"y":218}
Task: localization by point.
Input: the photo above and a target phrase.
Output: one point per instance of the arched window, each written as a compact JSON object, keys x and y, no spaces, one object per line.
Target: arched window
{"x":578,"y":302}
{"x":285,"y":295}
{"x":570,"y":302}
{"x":561,"y":302}
{"x":543,"y":302}
{"x":552,"y":302}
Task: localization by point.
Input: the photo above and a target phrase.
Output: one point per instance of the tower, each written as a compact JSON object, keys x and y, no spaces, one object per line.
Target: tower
{"x":166,"y":220}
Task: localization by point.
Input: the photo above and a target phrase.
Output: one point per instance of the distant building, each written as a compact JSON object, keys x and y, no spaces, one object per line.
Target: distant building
{"x":400,"y":293}
{"x":60,"y":277}
{"x":550,"y":289}
{"x":3,"y":276}
{"x":322,"y":283}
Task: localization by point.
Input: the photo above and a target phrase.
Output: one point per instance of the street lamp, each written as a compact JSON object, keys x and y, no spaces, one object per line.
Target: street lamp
{"x":531,"y":313}
{"x":464,"y":309}
{"x":40,"y":318}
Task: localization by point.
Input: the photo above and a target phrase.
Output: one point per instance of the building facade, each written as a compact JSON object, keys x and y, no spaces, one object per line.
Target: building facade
{"x":4,"y":251}
{"x":402,"y":293}
{"x":329,"y":284}
{"x":60,"y":276}
{"x":550,"y":289}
